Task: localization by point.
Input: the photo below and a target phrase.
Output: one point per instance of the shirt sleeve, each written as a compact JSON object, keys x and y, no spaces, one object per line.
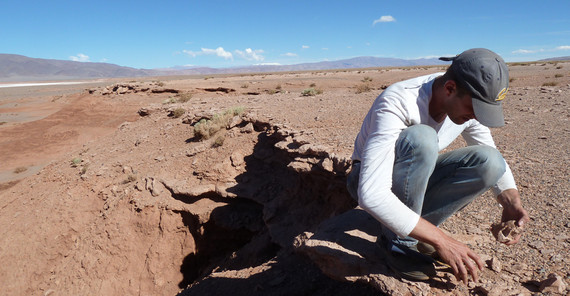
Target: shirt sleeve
{"x":377,"y":163}
{"x":478,"y":134}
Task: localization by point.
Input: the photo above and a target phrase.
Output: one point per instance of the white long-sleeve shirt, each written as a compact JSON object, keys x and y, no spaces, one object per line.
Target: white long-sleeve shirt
{"x":401,"y":105}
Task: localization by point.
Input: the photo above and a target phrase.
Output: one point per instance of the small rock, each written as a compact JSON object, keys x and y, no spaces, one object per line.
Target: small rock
{"x":556,"y":258}
{"x":505,"y":231}
{"x":536,"y":245}
{"x":248,"y":128}
{"x":127,"y":170}
{"x":236,"y":158}
{"x":236,"y":120}
{"x":144,"y":112}
{"x":494,"y":264}
{"x":553,"y":284}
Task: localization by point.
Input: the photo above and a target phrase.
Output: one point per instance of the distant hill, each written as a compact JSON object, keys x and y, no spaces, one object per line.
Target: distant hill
{"x":21,"y":68}
{"x":566,"y":58}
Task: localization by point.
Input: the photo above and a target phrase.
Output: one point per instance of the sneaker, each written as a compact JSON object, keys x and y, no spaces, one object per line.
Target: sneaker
{"x":407,"y":263}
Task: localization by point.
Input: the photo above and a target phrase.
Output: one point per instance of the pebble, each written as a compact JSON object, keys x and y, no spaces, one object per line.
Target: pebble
{"x":536,"y":245}
{"x":553,"y":284}
{"x":495,"y":264}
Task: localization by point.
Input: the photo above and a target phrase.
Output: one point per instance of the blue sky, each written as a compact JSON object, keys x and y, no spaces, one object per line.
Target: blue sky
{"x":159,"y":34}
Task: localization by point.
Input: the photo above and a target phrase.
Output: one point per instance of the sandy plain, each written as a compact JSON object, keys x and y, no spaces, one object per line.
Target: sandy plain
{"x":78,"y":166}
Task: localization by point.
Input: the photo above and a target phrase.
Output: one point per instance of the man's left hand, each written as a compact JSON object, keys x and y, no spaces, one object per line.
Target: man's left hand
{"x":513,"y":210}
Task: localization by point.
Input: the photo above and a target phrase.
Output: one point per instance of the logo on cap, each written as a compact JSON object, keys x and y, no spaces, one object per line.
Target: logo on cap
{"x":502,"y":94}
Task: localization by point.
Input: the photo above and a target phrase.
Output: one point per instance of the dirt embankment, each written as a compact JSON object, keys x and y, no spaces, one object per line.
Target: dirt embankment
{"x":149,"y":209}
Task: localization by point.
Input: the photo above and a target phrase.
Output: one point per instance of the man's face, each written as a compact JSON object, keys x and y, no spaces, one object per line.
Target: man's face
{"x":461,"y":109}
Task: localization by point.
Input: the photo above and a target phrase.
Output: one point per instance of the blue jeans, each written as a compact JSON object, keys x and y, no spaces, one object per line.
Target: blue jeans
{"x":435,"y":185}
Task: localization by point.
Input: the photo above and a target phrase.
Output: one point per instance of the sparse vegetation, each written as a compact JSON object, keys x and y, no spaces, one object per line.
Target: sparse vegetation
{"x":20,"y":170}
{"x":311,"y":92}
{"x":205,"y":129}
{"x":75,"y":162}
{"x":178,"y":112}
{"x":558,"y":75}
{"x":245,"y":85}
{"x":160,"y":83}
{"x":278,"y":87}
{"x":169,"y":101}
{"x":559,"y":67}
{"x":312,"y":85}
{"x":366,"y":79}
{"x":361,"y":88}
{"x":512,"y":79}
{"x":2,"y":122}
{"x":84,"y":169}
{"x":219,"y":141}
{"x":551,"y":83}
{"x":185,"y":97}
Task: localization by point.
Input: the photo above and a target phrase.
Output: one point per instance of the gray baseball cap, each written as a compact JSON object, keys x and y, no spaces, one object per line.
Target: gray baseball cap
{"x":485,"y":74}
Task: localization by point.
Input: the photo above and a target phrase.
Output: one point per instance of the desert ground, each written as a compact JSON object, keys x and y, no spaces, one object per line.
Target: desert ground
{"x":108,"y":188}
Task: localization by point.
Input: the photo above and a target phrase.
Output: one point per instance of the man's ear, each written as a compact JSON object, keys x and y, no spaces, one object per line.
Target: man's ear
{"x":450,"y":87}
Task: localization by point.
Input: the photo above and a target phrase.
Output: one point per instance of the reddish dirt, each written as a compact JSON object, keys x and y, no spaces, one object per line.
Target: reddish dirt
{"x":116,"y":222}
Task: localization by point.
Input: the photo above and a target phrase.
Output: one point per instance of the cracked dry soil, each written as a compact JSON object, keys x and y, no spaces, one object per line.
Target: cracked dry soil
{"x":148,"y":210}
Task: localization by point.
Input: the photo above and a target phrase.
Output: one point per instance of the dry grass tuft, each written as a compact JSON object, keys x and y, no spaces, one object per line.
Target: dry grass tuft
{"x":551,"y":83}
{"x":205,"y":129}
{"x":311,"y":92}
{"x":178,"y":112}
{"x":361,"y":88}
{"x":20,"y":170}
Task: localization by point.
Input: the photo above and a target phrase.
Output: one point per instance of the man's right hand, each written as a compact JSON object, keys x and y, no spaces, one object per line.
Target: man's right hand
{"x":462,"y":260}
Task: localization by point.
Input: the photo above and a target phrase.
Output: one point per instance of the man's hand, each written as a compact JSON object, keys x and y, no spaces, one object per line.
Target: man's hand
{"x":462,"y":260}
{"x":513,"y":210}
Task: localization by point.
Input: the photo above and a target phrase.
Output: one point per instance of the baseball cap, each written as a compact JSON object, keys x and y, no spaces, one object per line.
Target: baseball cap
{"x":485,"y":74}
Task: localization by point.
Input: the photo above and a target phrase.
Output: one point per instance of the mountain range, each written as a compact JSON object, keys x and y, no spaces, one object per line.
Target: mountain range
{"x":21,"y":68}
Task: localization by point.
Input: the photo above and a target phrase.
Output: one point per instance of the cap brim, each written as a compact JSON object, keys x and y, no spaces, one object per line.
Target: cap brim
{"x":489,"y":115}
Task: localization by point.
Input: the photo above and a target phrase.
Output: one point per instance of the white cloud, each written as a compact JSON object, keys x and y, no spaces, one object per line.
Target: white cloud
{"x":305,"y":46}
{"x":384,"y":19}
{"x":290,"y":54}
{"x":524,"y":51}
{"x":250,"y":54}
{"x":207,"y":51}
{"x":79,"y":58}
{"x":529,"y":51}
{"x":268,"y":64}
{"x":219,"y":52}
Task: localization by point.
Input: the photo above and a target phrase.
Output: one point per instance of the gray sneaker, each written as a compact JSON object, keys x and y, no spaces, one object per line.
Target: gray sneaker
{"x":407,"y":262}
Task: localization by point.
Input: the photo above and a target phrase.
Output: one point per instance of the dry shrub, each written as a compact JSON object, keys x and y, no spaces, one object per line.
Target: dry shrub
{"x":205,"y":129}
{"x":20,"y":170}
{"x":219,"y":141}
{"x":185,"y":97}
{"x":178,"y":112}
{"x":558,"y":75}
{"x":361,"y":88}
{"x":311,"y":92}
{"x":366,"y":79}
{"x":552,"y":83}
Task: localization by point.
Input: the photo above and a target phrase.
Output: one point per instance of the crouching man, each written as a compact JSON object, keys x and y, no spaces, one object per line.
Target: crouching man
{"x":399,"y":177}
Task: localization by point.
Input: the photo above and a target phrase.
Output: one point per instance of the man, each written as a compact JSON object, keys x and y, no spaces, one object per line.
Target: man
{"x":399,"y":178}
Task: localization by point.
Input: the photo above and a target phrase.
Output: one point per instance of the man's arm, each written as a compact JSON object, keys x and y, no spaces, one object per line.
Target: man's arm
{"x":513,"y":210}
